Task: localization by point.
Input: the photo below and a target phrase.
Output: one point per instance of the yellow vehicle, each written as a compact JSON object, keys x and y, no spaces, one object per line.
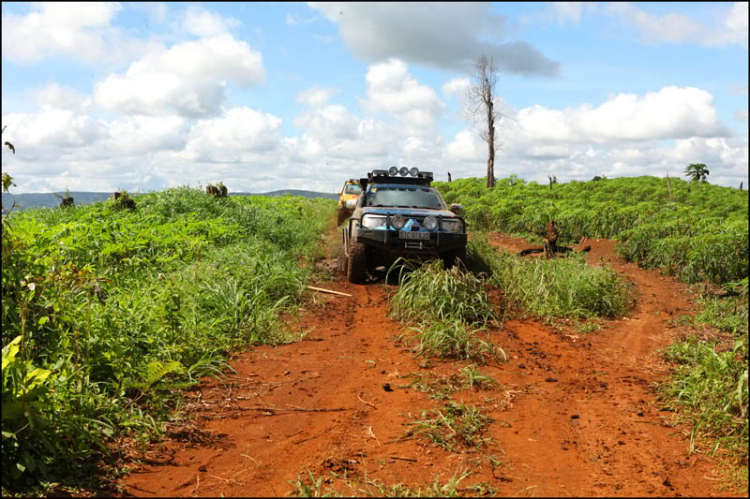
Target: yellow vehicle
{"x":348,"y":197}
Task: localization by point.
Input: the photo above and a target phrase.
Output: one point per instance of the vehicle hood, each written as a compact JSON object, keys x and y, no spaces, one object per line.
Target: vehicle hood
{"x":406,"y":212}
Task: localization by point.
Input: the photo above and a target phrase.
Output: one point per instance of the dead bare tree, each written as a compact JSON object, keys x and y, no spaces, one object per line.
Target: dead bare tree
{"x":481,"y":97}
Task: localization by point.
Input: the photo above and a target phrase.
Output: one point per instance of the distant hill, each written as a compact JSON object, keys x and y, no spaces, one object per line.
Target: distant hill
{"x":51,"y":200}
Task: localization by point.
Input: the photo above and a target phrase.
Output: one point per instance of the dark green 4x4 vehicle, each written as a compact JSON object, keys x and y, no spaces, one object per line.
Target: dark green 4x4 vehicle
{"x":399,"y":214}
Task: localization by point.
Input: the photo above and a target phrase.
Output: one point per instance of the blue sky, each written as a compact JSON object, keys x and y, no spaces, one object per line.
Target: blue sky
{"x":266,"y":96}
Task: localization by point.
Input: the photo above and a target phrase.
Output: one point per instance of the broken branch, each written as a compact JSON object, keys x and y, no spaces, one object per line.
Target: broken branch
{"x":328,"y":291}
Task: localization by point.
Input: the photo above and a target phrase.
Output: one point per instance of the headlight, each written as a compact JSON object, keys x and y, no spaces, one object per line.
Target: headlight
{"x":350,"y":203}
{"x":373,"y":221}
{"x":397,"y":222}
{"x":430,"y":222}
{"x":393,"y":171}
{"x":449,"y":225}
{"x":404,"y":171}
{"x":414,"y":171}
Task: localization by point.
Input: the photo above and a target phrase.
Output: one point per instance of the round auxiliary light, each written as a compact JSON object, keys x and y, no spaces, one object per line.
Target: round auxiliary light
{"x":398,"y":222}
{"x":393,"y":170}
{"x":430,"y":222}
{"x":404,"y":171}
{"x":414,"y":171}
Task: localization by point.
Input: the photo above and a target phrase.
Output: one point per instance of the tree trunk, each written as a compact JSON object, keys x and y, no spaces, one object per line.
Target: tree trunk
{"x":490,"y":144}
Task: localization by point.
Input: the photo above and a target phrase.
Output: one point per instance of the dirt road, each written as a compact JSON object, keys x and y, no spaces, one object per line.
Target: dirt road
{"x":574,"y":413}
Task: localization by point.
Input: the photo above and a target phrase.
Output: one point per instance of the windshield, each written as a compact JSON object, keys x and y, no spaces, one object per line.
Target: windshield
{"x":404,"y":197}
{"x":352,"y":189}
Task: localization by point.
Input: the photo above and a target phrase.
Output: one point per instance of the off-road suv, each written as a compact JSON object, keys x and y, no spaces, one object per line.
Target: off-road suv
{"x":400,"y":215}
{"x":348,"y":197}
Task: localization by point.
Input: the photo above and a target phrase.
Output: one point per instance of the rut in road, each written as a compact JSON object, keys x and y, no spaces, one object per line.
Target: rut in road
{"x":574,"y":414}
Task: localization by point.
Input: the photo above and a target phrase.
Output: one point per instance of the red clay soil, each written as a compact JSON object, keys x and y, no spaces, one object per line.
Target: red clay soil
{"x":575,"y":413}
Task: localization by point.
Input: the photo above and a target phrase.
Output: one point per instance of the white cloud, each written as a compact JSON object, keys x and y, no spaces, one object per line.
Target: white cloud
{"x":54,"y":96}
{"x":674,"y":27}
{"x":199,"y":22}
{"x":625,"y":136}
{"x":144,"y":135}
{"x":316,"y":96}
{"x":456,"y":86}
{"x":673,"y":112}
{"x":240,"y":133}
{"x":76,"y":29}
{"x":189,"y":78}
{"x":561,"y":13}
{"x":52,"y":129}
{"x":444,"y":35}
{"x":391,"y":89}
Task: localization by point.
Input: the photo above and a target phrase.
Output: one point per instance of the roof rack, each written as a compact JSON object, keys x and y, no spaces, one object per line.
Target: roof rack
{"x":391,"y":176}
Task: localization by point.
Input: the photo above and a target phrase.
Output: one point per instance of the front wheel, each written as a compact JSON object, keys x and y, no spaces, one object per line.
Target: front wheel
{"x":356,"y":263}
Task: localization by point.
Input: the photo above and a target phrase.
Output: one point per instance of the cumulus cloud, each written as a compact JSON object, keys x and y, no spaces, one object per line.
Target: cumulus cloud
{"x":188,"y":79}
{"x":444,"y":35}
{"x":202,"y":23}
{"x":627,"y":135}
{"x":456,"y":86}
{"x":672,"y":112}
{"x":53,"y":129}
{"x":76,"y":29}
{"x":674,"y":27}
{"x":54,"y":96}
{"x":240,"y":133}
{"x":393,"y":90}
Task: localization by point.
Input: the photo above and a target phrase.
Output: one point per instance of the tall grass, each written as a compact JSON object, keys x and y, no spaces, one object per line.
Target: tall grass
{"x":106,"y":311}
{"x":448,"y":309}
{"x":710,"y":378}
{"x":713,"y":386}
{"x":452,"y":294}
{"x":559,"y":287}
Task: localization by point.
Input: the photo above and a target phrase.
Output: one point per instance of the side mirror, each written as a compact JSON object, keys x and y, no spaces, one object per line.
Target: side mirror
{"x":456,"y":208}
{"x":340,"y":192}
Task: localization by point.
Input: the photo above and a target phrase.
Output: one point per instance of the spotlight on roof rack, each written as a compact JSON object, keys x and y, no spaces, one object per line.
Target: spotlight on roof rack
{"x":414,"y":171}
{"x":404,"y":171}
{"x":392,"y":171}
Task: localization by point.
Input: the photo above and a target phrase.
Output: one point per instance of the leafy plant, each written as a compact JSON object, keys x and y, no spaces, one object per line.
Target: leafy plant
{"x":451,"y":427}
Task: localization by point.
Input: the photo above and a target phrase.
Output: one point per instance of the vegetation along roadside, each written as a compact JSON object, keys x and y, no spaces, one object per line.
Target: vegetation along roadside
{"x":106,"y":311}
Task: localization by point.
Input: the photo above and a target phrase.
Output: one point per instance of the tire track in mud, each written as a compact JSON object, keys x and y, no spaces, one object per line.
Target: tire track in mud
{"x":574,"y":413}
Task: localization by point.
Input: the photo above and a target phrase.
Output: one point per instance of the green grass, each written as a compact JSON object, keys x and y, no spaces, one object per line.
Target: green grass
{"x":450,"y":339}
{"x":712,"y":385}
{"x":116,"y":310}
{"x":448,"y":309}
{"x":710,"y":378}
{"x":441,"y":387}
{"x":446,"y":295}
{"x":558,"y":287}
{"x":308,"y":485}
{"x":454,"y":427}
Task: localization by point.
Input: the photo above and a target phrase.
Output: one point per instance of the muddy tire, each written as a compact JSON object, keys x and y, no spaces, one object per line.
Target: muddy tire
{"x":356,"y":263}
